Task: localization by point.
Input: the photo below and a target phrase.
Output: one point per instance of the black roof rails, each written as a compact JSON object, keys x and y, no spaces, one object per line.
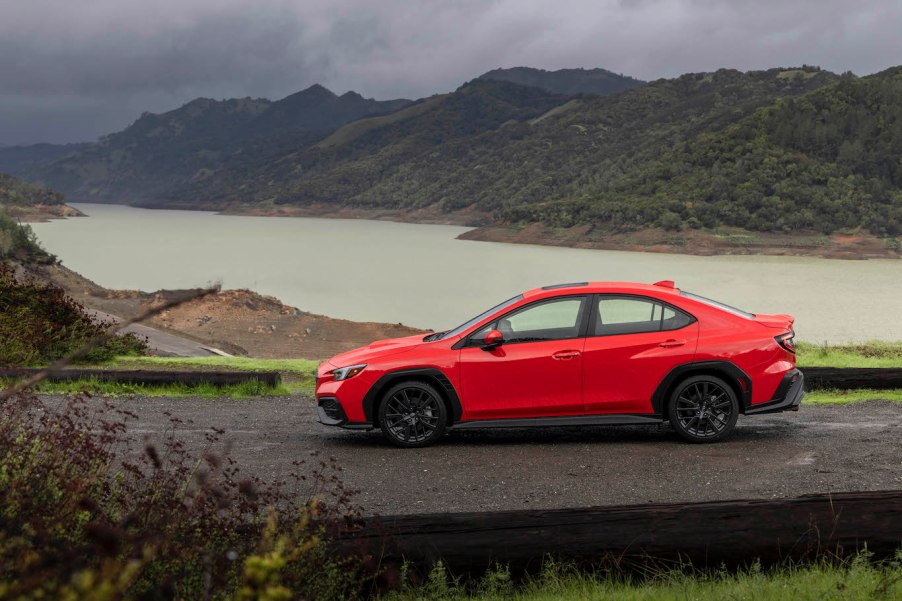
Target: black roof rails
{"x":573,"y":285}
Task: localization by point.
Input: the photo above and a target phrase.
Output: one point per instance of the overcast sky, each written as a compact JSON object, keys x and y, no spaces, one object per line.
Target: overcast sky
{"x":71,"y":70}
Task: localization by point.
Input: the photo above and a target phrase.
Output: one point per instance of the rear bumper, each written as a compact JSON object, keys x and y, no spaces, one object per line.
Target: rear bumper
{"x":787,"y":398}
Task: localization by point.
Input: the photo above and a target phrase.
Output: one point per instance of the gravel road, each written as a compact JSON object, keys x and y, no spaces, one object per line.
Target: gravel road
{"x":818,"y":449}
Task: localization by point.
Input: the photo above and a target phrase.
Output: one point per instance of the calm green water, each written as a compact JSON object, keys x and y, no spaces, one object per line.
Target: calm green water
{"x":421,"y":275}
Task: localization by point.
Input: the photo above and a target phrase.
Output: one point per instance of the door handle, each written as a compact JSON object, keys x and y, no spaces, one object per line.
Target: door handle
{"x":672,"y":343}
{"x":565,"y":354}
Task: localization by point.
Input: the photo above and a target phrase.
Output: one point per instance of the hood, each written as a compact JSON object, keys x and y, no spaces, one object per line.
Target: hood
{"x":377,"y":349}
{"x":781,"y":321}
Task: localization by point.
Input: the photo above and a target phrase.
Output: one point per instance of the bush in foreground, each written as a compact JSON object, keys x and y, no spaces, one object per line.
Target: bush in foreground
{"x":83,"y":515}
{"x":39,"y":324}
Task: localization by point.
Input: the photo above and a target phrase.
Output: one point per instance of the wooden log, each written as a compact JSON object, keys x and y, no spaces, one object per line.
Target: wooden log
{"x":708,"y":534}
{"x":155,"y":377}
{"x":848,"y":378}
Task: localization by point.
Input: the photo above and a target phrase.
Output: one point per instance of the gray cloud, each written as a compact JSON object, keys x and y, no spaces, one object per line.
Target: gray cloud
{"x":75,"y":70}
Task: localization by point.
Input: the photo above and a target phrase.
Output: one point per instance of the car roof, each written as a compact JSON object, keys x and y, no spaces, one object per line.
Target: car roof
{"x":662,"y":287}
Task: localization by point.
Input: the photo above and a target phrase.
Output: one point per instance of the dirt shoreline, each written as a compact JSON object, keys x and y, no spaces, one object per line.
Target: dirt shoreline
{"x":41,"y":213}
{"x":726,"y":241}
{"x":722,"y":241}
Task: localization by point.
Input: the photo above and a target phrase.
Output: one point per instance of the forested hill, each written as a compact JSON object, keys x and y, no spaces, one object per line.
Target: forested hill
{"x":779,"y":150}
{"x":347,"y":166}
{"x":516,"y":152}
{"x":566,"y":81}
{"x":163,"y":152}
{"x":827,"y":160}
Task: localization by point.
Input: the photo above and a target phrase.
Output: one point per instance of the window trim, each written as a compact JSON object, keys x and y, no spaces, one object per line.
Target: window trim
{"x":593,"y":314}
{"x":467,"y":341}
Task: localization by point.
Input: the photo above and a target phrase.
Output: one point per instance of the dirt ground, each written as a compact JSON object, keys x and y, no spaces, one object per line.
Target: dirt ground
{"x":238,"y":322}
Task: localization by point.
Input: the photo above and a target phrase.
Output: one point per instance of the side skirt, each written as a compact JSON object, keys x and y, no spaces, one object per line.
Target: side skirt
{"x":574,"y":420}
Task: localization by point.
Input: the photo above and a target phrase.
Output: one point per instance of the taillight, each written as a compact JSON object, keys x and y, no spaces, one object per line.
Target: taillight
{"x":786,"y":341}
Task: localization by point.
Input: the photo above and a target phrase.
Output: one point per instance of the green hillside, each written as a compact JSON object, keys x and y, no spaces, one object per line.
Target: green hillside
{"x":518,"y":152}
{"x":600,"y":82}
{"x":344,"y":167}
{"x":782,"y":150}
{"x":824,"y":161}
{"x":159,"y":153}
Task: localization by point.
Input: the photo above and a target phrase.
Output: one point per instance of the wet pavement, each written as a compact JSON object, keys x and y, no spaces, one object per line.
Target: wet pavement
{"x":818,"y":449}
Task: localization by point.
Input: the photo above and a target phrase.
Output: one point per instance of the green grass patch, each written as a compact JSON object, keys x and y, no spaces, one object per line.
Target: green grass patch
{"x":117,"y":389}
{"x":844,"y":397}
{"x":857,"y":579}
{"x":298,"y":375}
{"x":303,"y":367}
{"x":868,"y":354}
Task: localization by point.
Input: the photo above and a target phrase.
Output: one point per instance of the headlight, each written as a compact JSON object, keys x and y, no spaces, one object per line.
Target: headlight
{"x":343,"y":373}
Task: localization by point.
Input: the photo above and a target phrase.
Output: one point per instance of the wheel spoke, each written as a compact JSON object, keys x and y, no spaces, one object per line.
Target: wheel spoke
{"x":412,"y":415}
{"x":703,"y":409}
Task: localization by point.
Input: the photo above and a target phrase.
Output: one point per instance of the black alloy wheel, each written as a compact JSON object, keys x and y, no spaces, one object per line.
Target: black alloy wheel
{"x":412,"y":414}
{"x":703,"y":409}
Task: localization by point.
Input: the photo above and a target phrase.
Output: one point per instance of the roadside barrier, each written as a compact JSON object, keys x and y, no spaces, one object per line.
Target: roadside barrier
{"x":710,"y":534}
{"x":848,"y":378}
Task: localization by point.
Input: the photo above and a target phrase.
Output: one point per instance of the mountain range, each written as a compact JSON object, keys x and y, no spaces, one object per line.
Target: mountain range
{"x":779,"y":150}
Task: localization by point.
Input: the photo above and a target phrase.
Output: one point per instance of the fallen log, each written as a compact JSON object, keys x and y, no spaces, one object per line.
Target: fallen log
{"x":155,"y":377}
{"x":848,"y":378}
{"x":707,"y":534}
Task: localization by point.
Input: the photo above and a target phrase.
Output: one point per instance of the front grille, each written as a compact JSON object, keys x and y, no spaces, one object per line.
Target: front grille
{"x":331,"y":407}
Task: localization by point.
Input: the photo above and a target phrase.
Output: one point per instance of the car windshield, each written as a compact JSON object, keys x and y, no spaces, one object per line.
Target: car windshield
{"x":718,"y":305}
{"x":465,"y":326}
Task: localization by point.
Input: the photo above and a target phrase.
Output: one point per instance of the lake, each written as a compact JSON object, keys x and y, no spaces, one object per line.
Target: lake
{"x":421,"y":275}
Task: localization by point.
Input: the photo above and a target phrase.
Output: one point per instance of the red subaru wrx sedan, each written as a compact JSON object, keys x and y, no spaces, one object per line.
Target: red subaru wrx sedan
{"x":571,"y":354}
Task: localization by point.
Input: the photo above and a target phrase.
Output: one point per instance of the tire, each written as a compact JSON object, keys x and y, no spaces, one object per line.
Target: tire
{"x":703,"y":409}
{"x":412,"y":414}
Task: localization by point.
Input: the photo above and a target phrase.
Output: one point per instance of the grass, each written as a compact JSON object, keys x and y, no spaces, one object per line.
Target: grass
{"x":302,"y":367}
{"x":844,"y":397}
{"x":868,"y":354}
{"x":116,"y":389}
{"x":857,"y":579}
{"x":298,"y":375}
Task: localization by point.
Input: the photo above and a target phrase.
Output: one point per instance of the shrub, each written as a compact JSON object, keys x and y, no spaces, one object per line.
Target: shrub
{"x":84,"y":515}
{"x":39,"y":324}
{"x":18,"y":242}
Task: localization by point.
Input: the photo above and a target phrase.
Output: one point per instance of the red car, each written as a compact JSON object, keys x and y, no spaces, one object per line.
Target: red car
{"x":571,"y":354}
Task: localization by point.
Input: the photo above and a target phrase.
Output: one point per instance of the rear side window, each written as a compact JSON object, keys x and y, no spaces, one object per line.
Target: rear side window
{"x":630,"y":315}
{"x":557,"y":319}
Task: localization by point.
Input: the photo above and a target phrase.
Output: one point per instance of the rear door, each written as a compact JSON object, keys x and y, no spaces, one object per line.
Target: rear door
{"x":537,"y":371}
{"x":632,"y":343}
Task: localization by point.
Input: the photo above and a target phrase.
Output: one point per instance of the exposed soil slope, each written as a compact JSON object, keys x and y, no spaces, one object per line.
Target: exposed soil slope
{"x":237,"y":321}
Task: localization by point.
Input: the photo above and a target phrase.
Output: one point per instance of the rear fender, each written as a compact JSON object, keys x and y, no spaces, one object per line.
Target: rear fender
{"x":733,"y":375}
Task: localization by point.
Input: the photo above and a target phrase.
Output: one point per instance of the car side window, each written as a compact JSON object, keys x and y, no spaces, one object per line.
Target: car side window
{"x":557,"y":319}
{"x":628,"y":315}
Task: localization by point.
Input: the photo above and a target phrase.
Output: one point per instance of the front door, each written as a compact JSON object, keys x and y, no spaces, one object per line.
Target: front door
{"x":536,"y":372}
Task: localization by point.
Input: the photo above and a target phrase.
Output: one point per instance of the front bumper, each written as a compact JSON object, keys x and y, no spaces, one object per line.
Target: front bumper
{"x":330,"y":413}
{"x":787,"y":398}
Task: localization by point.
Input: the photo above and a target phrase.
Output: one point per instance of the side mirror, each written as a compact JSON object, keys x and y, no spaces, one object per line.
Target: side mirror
{"x":492,"y":340}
